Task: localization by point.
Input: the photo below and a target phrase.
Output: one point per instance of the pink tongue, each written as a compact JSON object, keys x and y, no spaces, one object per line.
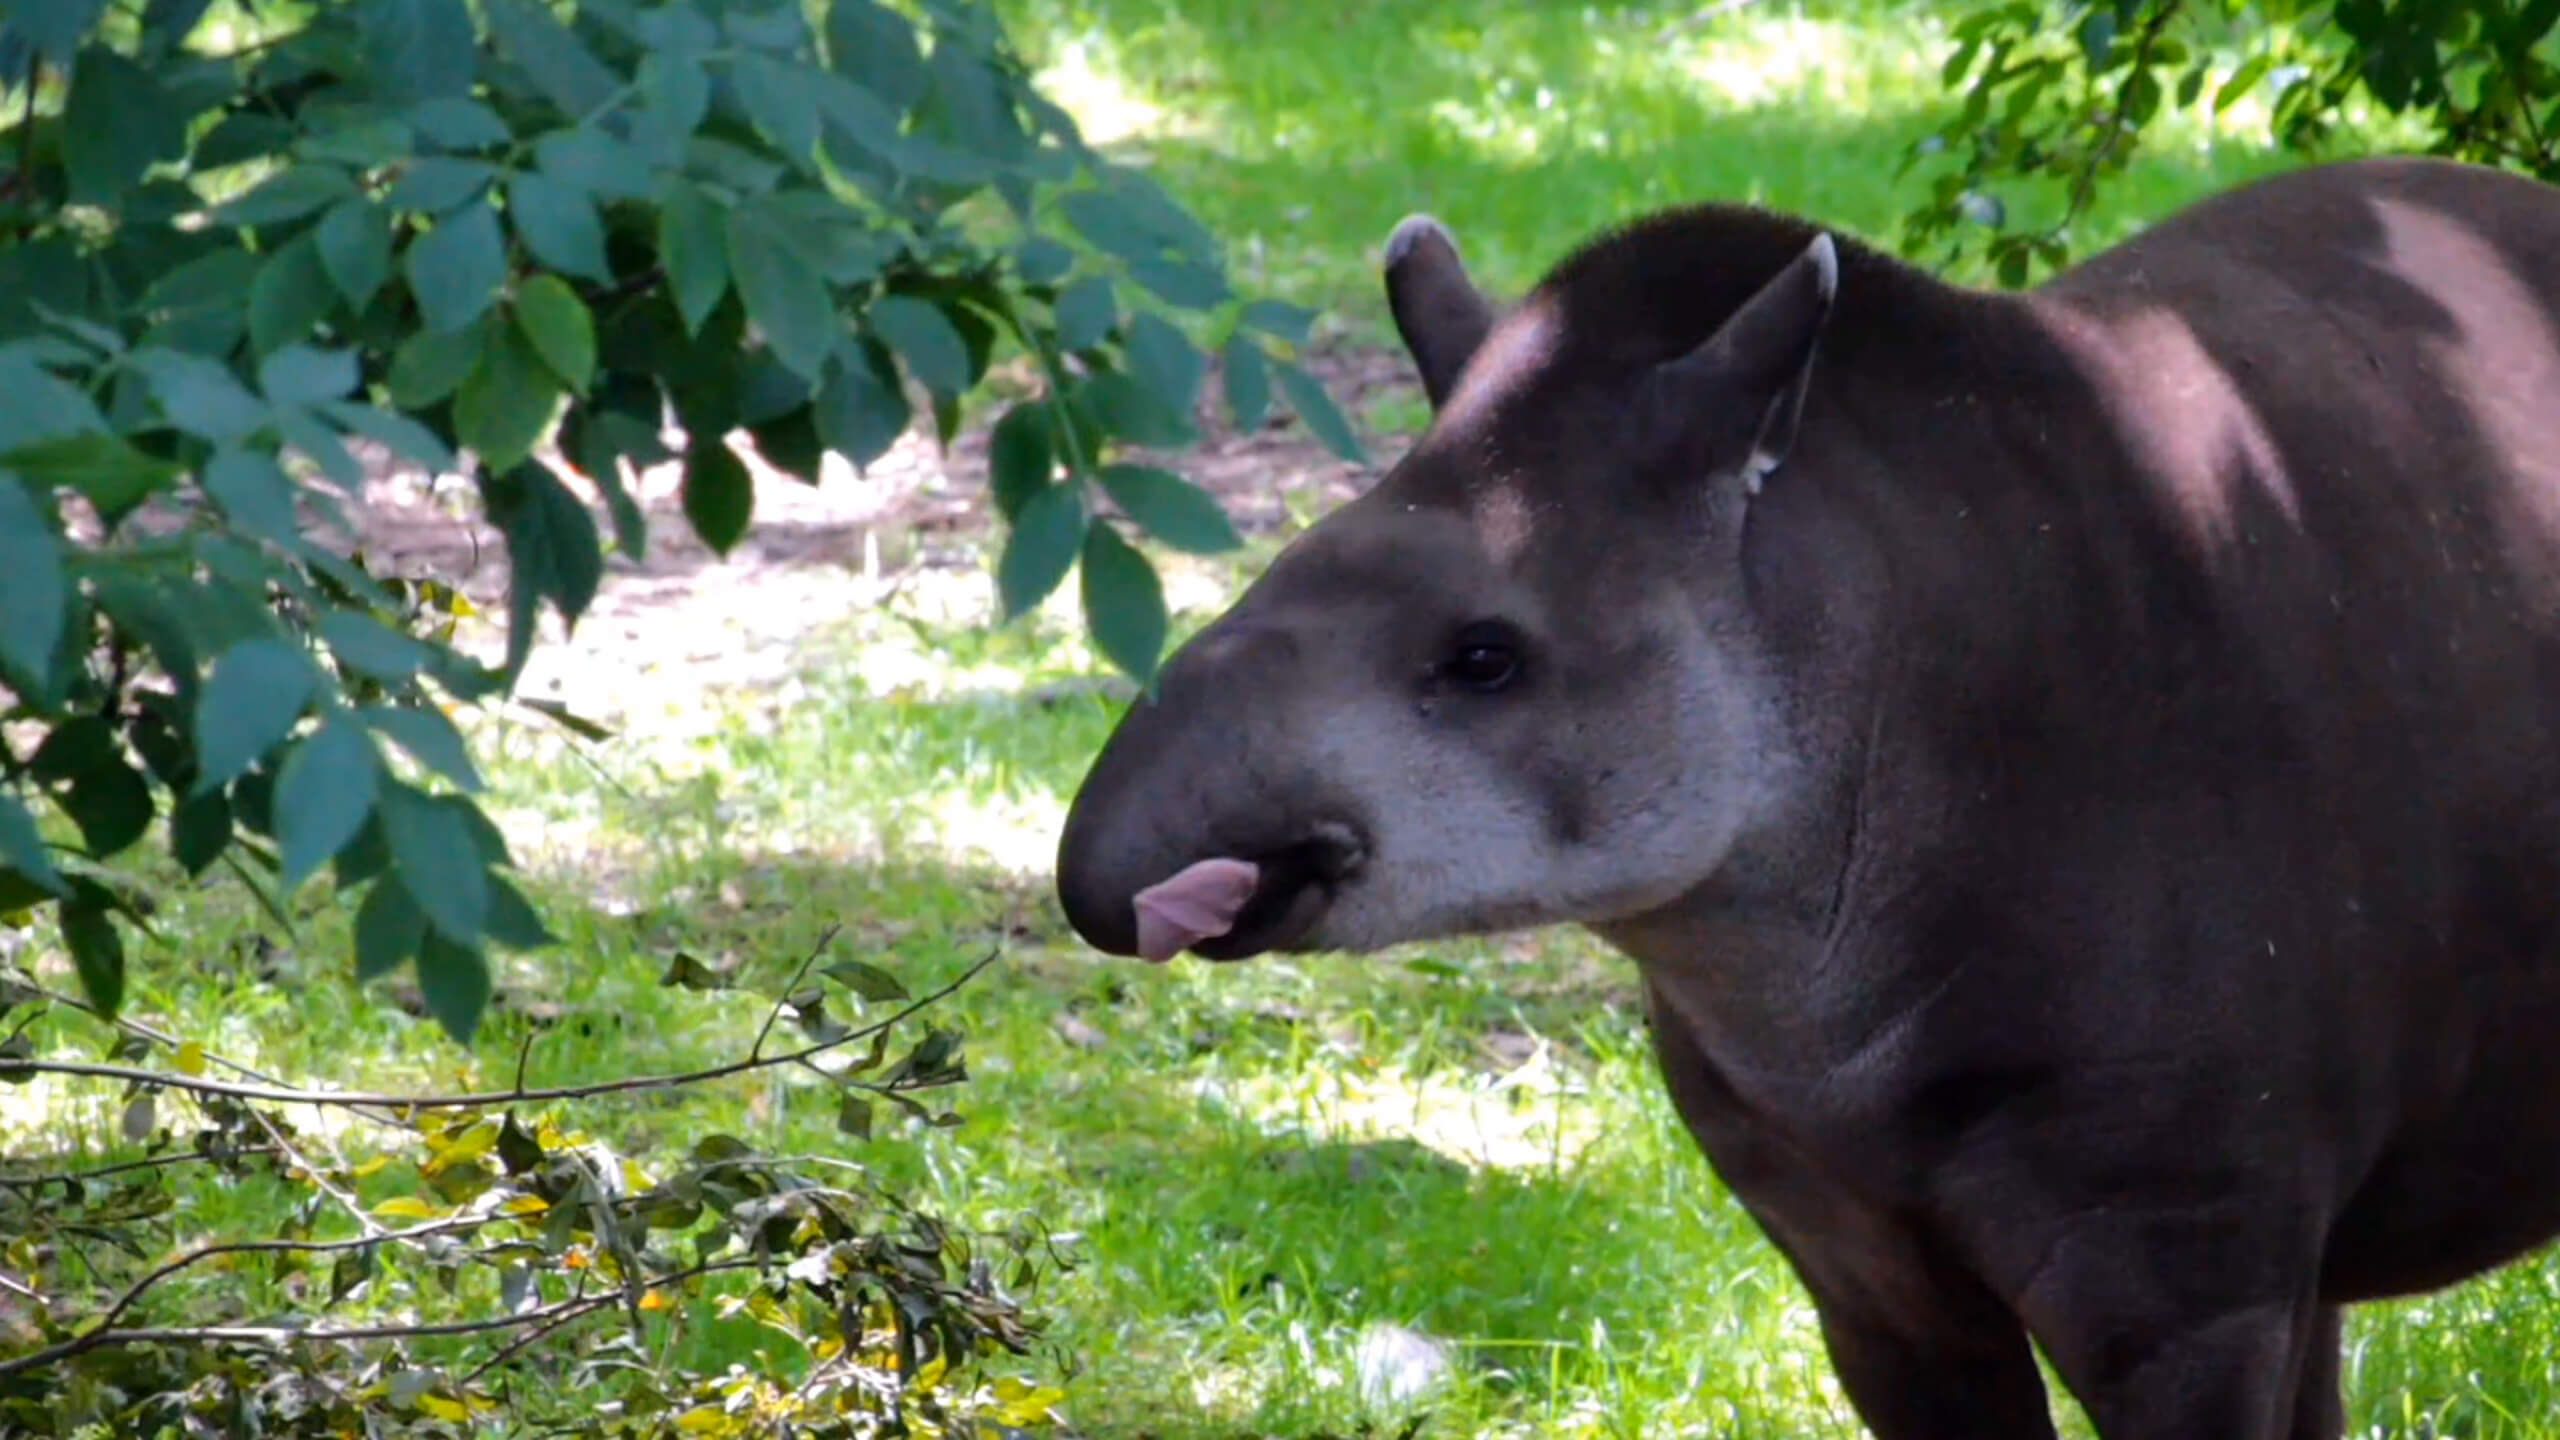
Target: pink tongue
{"x":1198,"y":904}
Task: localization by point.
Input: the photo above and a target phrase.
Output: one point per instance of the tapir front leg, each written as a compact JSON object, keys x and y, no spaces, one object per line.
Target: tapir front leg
{"x":1924,"y":1351}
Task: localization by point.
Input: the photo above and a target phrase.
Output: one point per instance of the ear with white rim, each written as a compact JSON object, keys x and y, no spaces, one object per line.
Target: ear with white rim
{"x":1438,"y":311}
{"x":1758,"y":363}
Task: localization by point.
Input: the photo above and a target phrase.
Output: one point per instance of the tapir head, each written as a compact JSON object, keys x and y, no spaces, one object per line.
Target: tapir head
{"x":1519,"y":682}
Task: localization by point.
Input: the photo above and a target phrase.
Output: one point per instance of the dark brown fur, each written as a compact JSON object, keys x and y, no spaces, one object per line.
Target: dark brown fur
{"x":2162,"y":953}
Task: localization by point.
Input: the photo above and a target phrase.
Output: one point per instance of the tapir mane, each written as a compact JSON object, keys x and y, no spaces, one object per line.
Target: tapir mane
{"x":1648,"y":290}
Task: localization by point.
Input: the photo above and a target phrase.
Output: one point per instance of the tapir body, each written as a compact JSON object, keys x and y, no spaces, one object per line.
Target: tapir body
{"x":2077,"y":770}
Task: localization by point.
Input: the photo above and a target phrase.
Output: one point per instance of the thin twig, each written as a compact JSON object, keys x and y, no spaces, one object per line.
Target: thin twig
{"x":2084,"y":186}
{"x":279,"y":1334}
{"x":347,"y":1202}
{"x":83,"y":1177}
{"x":790,"y":989}
{"x":488,"y":1099}
{"x":133,"y":1293}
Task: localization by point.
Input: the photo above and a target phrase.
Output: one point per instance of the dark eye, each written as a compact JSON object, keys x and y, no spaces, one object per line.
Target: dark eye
{"x":1485,"y":657}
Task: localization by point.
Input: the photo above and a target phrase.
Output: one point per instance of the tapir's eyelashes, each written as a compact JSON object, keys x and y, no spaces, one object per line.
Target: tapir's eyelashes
{"x":1485,"y":657}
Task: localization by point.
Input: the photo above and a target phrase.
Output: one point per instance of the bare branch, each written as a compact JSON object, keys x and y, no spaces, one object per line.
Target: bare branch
{"x":156,"y":1162}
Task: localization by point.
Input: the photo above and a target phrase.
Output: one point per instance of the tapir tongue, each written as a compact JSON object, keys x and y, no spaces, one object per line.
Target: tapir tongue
{"x":1199,"y":903}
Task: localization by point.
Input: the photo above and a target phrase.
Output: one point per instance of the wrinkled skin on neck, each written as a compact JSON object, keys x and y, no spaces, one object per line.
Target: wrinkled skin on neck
{"x":1528,"y":679}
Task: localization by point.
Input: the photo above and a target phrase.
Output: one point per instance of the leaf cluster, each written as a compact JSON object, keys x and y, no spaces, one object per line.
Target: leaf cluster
{"x":252,"y":252}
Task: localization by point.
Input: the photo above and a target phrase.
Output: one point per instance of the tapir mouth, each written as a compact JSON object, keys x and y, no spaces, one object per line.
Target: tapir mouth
{"x":1297,"y":885}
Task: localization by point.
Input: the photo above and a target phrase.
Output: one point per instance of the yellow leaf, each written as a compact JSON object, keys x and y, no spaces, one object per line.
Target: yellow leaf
{"x":407,"y":1207}
{"x":704,"y":1422}
{"x":191,"y":1059}
{"x":525,"y":1205}
{"x":363,"y":1168}
{"x":443,"y":1409}
{"x":656,"y":1300}
{"x":1027,"y":1404}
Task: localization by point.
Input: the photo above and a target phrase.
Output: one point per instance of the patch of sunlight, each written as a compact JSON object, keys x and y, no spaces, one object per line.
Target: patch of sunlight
{"x":1106,"y":110}
{"x":1797,"y":60}
{"x":1018,"y":835}
{"x":1510,"y":1121}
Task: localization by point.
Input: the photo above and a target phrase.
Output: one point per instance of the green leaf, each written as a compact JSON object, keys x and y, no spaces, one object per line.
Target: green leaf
{"x":254,"y":492}
{"x":404,"y":437}
{"x":54,"y":27}
{"x":1248,"y":382}
{"x":289,"y":296}
{"x":35,"y":405}
{"x":290,"y":195}
{"x":307,"y":375}
{"x":555,"y":321}
{"x":861,"y":411}
{"x":455,"y":122}
{"x":558,"y":225}
{"x":854,"y":1116}
{"x":437,"y":184}
{"x":1171,"y":508}
{"x":1317,"y":409}
{"x":201,"y":396}
{"x":106,"y":471}
{"x":692,"y":247}
{"x":456,"y":268}
{"x":779,"y":102}
{"x":429,"y":737}
{"x":875,"y":47}
{"x":454,"y":981}
{"x":719,"y":494}
{"x":417,"y":50}
{"x":596,"y":163}
{"x":354,"y":240}
{"x":513,"y":922}
{"x":1040,"y":548}
{"x":1187,"y":283}
{"x":2242,"y":81}
{"x":1123,"y":602}
{"x":199,"y":829}
{"x":433,"y":854}
{"x":324,"y":791}
{"x":552,"y":543}
{"x":1018,"y":456}
{"x":925,"y":337}
{"x":111,"y":803}
{"x":389,"y":929}
{"x":82,"y":743}
{"x":786,"y":299}
{"x":430,"y":364}
{"x":1043,"y":261}
{"x":1134,"y":411}
{"x":256,"y":692}
{"x":22,"y":847}
{"x":1164,"y":360}
{"x":116,"y":123}
{"x":371,"y":647}
{"x":97,"y":952}
{"x":1279,"y":319}
{"x":1086,"y":311}
{"x":506,"y":402}
{"x":556,"y":61}
{"x":675,"y":96}
{"x":866,"y":980}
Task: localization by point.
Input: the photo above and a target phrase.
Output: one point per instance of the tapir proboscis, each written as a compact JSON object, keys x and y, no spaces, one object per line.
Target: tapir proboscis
{"x":2076,"y":769}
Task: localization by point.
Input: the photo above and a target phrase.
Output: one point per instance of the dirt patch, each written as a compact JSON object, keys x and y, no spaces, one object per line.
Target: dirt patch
{"x":680,"y":618}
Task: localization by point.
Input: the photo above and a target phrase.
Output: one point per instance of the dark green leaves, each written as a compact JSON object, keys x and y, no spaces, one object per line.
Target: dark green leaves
{"x":115,"y":124}
{"x":1018,"y":455}
{"x":389,"y":928}
{"x":1123,"y":602}
{"x":1170,"y":508}
{"x":558,"y":225}
{"x":354,"y":241}
{"x":323,"y":794}
{"x":506,"y":401}
{"x":559,"y":328}
{"x":33,"y":588}
{"x":785,"y":298}
{"x":22,"y":846}
{"x":693,"y":246}
{"x":861,"y":412}
{"x":1086,"y":311}
{"x":1317,"y":409}
{"x":719,"y":495}
{"x":417,"y":50}
{"x":1041,"y":547}
{"x":257,"y":690}
{"x":925,"y":338}
{"x":97,"y":952}
{"x":454,"y":981}
{"x":456,"y":268}
{"x":1248,"y":381}
{"x":557,"y":62}
{"x":433,"y":854}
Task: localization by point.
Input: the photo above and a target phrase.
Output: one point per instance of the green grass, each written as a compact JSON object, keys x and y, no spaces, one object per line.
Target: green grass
{"x":1258,"y":1163}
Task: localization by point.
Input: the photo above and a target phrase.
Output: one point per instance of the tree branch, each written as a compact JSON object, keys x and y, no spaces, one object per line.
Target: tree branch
{"x":490,"y":1099}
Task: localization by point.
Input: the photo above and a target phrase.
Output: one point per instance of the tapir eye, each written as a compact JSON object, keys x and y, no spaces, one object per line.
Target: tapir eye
{"x":1485,"y":657}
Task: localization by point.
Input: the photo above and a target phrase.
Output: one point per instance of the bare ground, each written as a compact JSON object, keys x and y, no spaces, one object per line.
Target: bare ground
{"x":681,"y":619}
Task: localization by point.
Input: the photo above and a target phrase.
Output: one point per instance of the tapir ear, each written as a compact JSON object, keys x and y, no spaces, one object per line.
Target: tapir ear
{"x":1437,"y":309}
{"x":1755,"y":366}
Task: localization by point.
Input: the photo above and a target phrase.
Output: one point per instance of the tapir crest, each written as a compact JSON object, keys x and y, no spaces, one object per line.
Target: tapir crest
{"x":2076,"y":770}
